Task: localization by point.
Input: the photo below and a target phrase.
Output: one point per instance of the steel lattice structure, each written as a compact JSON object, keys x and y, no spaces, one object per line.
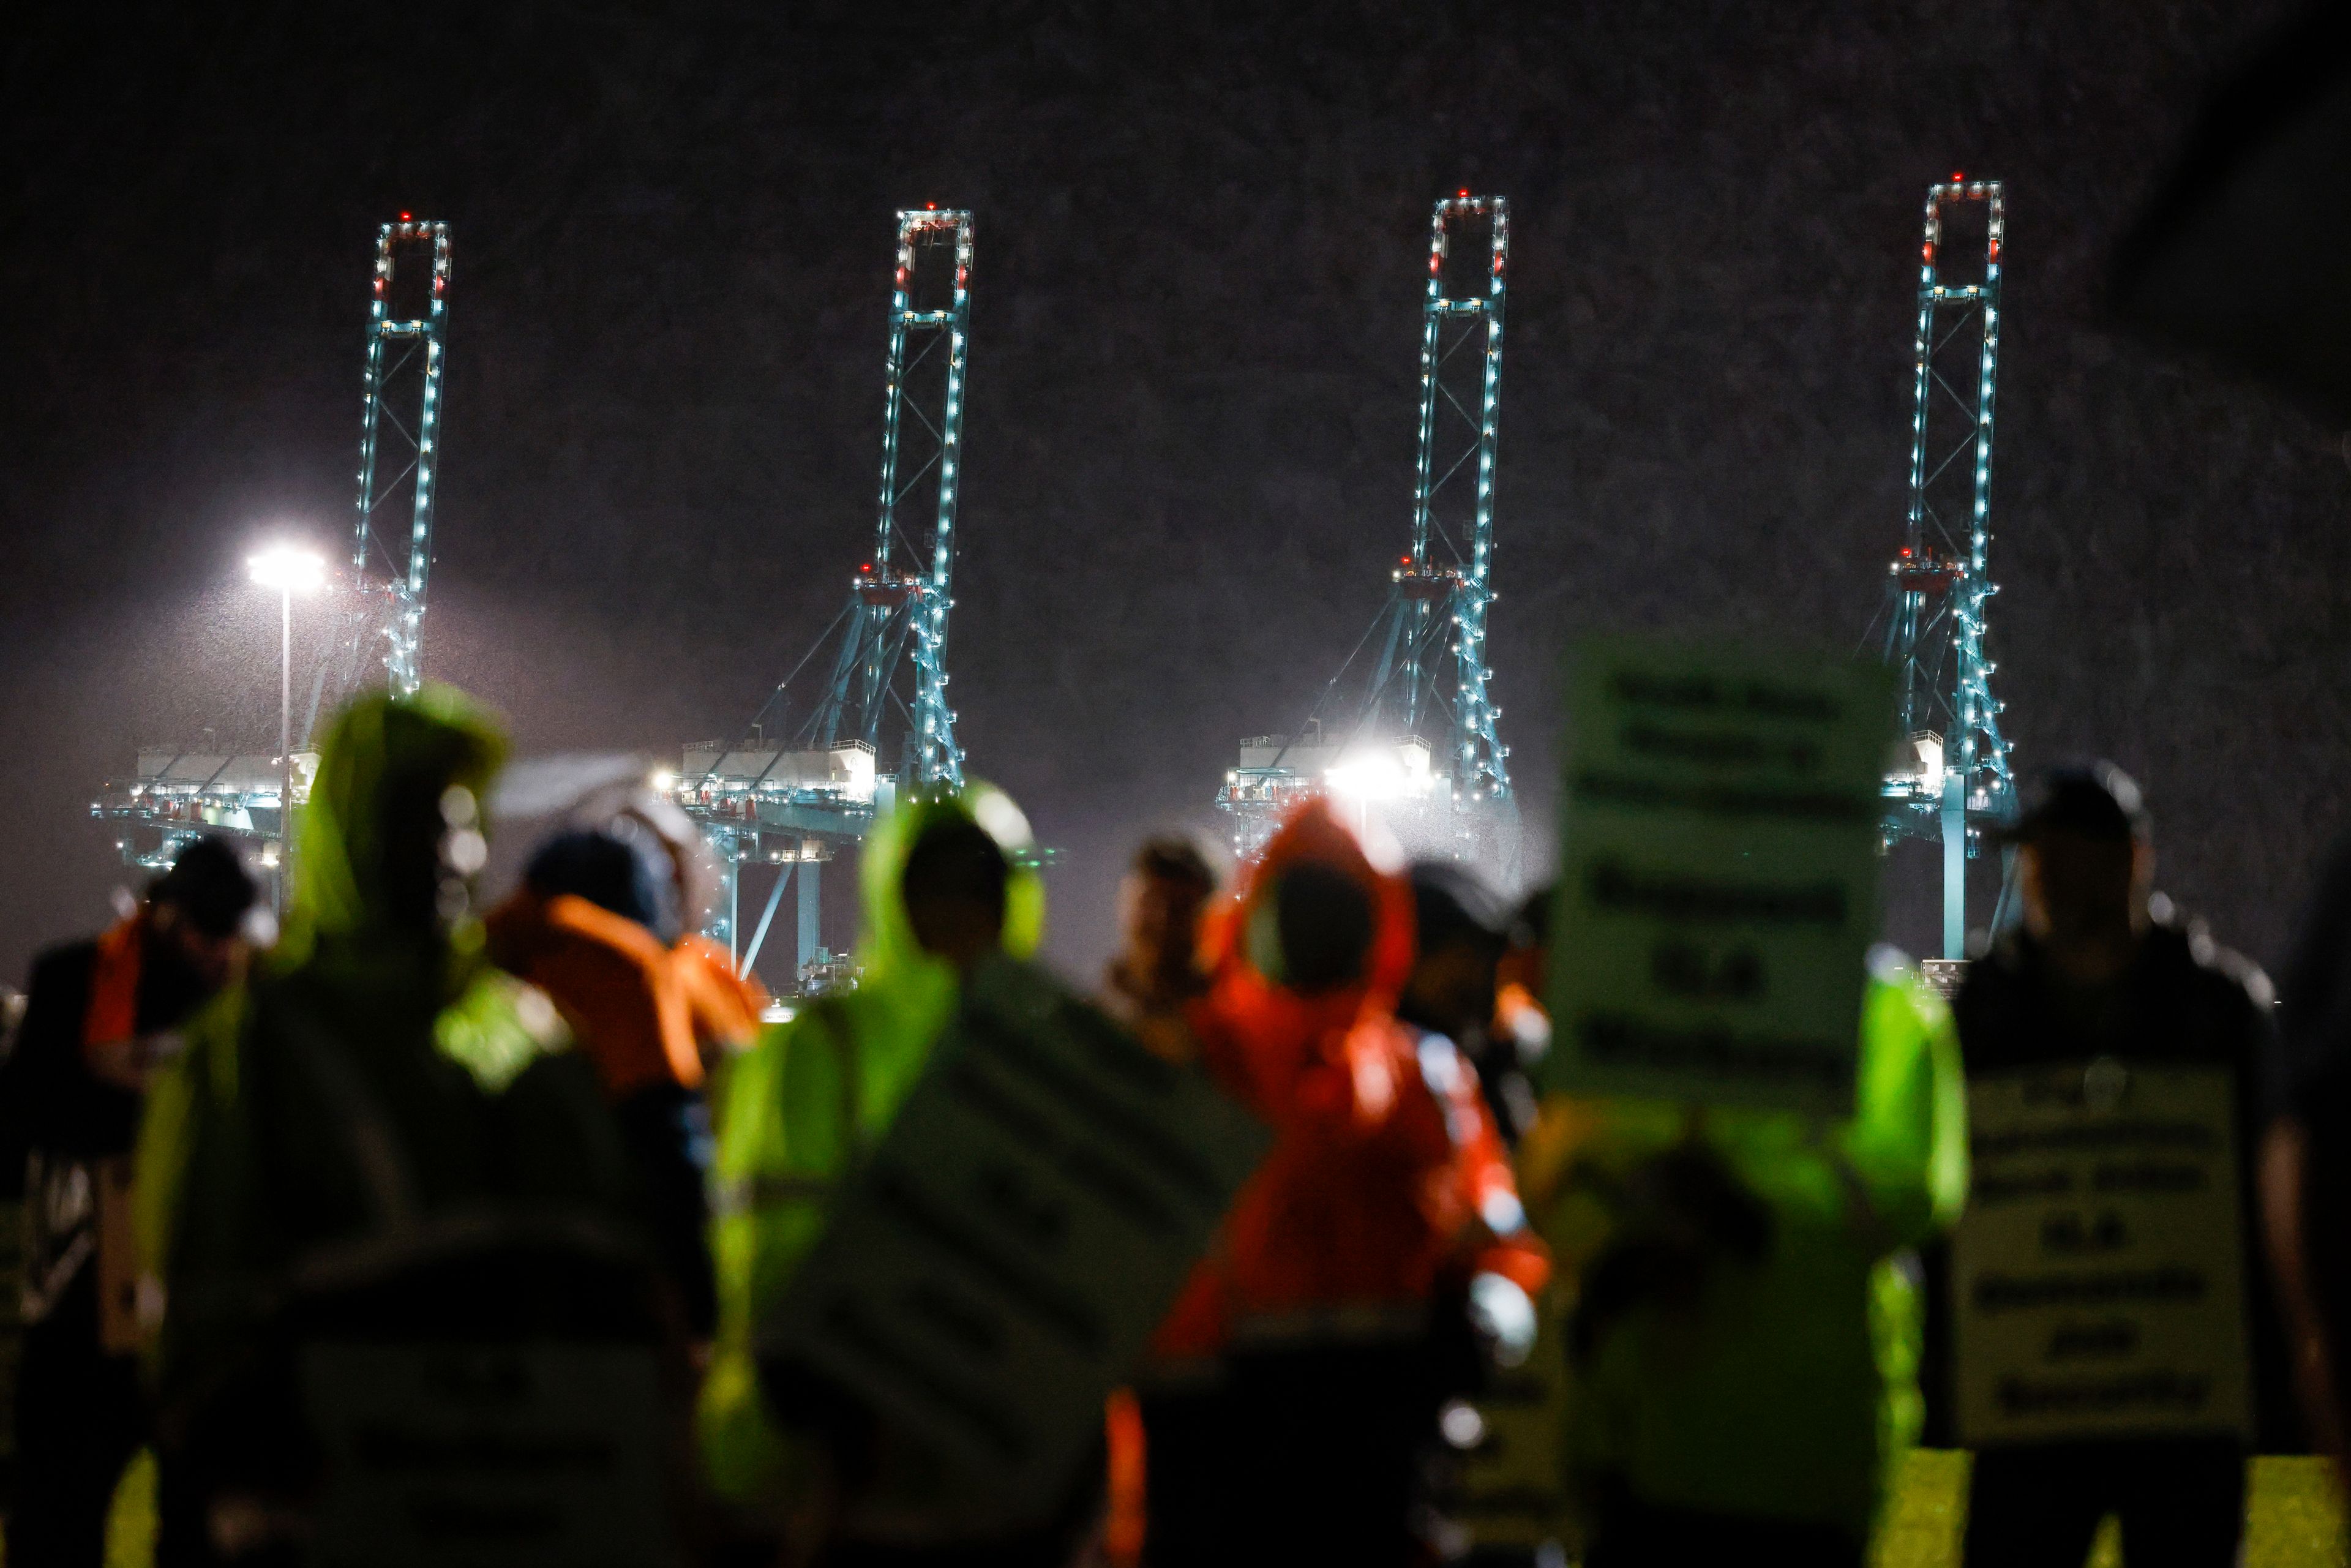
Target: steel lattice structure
{"x":793,"y":800}
{"x":895,"y":612}
{"x":179,"y":792}
{"x":399,"y":447}
{"x":1431,"y":676}
{"x":1953,"y":777}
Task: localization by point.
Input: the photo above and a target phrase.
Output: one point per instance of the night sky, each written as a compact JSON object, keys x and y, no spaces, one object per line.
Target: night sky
{"x":1202,"y":234}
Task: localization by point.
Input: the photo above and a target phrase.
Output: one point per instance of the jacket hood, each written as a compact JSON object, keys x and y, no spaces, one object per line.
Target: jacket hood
{"x":380,"y":744}
{"x":888,"y":949}
{"x":1253,"y":1002}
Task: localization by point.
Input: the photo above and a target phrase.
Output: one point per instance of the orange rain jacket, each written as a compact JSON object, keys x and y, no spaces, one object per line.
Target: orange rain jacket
{"x":722,"y":1006}
{"x":1386,"y":1178}
{"x":644,"y":1014}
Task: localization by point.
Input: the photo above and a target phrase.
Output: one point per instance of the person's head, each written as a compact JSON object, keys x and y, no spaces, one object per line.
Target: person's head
{"x":1311,"y":930}
{"x":1461,"y":930}
{"x":654,"y":826}
{"x":612,"y":868}
{"x":392,"y":834}
{"x":952,"y":888}
{"x":198,"y":909}
{"x":2086,"y":862}
{"x":1160,"y":901}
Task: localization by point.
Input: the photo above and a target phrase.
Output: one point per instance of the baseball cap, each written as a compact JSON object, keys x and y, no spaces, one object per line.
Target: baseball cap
{"x":2100,"y":802}
{"x":209,"y":885}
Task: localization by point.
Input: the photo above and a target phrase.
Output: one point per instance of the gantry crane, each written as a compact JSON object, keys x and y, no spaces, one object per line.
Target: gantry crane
{"x":180,"y":791}
{"x":793,"y":800}
{"x":1417,"y":739}
{"x":1952,"y":777}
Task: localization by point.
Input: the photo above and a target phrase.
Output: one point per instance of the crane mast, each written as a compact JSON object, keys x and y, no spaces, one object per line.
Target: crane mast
{"x":896,"y":610}
{"x":189,"y":788}
{"x":1447,"y":577}
{"x":1952,"y":777}
{"x":791,"y":792}
{"x":1431,"y":675}
{"x":399,"y":445}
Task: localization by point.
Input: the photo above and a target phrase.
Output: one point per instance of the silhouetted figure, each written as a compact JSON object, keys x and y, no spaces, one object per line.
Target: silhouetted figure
{"x":2307,"y":1160}
{"x":948,"y":880}
{"x":2102,"y":986}
{"x":1461,"y":930}
{"x":388,"y":1202}
{"x":1325,"y":1326}
{"x":1740,"y":1353}
{"x":101,"y":1017}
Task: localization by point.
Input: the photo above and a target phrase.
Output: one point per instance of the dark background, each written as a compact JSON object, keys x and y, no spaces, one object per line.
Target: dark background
{"x":1201,"y":242}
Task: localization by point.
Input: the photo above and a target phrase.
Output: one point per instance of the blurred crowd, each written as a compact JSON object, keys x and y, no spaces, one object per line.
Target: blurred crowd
{"x":1452,"y":1316}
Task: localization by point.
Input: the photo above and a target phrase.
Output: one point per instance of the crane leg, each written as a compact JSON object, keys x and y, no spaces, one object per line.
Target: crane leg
{"x":1955,"y":868}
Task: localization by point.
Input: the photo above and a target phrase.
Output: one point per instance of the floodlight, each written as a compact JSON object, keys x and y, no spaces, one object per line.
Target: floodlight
{"x":288,"y":569}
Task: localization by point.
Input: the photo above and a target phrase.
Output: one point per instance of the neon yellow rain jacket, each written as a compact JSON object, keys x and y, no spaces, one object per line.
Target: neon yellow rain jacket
{"x":366,"y":1083}
{"x":1783,"y":1390}
{"x":793,"y":1112}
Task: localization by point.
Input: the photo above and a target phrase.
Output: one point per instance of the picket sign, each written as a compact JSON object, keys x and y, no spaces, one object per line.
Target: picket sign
{"x":996,"y":1268}
{"x":2098,"y":1272}
{"x":521,"y":1455}
{"x":1718,"y":873}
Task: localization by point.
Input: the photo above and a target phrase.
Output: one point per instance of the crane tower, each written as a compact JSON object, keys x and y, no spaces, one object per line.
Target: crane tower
{"x":399,"y":441}
{"x":794,"y":797}
{"x":185,"y":790}
{"x":1431,"y":678}
{"x":1952,"y":776}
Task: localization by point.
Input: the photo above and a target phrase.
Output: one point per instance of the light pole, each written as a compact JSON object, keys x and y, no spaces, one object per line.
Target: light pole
{"x":288,"y":569}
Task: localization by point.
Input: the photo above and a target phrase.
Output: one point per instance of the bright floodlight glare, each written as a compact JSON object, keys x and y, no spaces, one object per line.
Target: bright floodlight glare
{"x":288,"y":568}
{"x":1367,"y":779}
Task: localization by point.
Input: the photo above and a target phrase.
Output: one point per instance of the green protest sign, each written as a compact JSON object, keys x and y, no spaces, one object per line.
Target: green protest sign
{"x":998,"y":1263}
{"x":1718,"y":870}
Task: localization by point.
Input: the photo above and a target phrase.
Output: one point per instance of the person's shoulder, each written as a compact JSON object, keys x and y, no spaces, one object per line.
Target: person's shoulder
{"x":1897,"y":988}
{"x":1999,"y":978}
{"x":498,"y":1026}
{"x":2213,"y":969}
{"x":64,"y":965}
{"x":57,"y":993}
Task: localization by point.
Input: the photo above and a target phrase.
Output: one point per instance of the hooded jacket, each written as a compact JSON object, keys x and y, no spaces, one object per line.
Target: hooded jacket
{"x":621,"y":993}
{"x":372,"y":1084}
{"x":1387,"y":1179}
{"x":794,"y":1113}
{"x":1778,"y":1388}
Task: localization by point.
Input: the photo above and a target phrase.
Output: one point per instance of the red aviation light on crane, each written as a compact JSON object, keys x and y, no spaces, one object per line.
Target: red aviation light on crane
{"x":403,"y":217}
{"x":1958,"y":178}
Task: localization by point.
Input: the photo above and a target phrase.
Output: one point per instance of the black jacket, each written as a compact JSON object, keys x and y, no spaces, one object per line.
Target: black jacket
{"x":49,"y":1099}
{"x":2184,"y":1001}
